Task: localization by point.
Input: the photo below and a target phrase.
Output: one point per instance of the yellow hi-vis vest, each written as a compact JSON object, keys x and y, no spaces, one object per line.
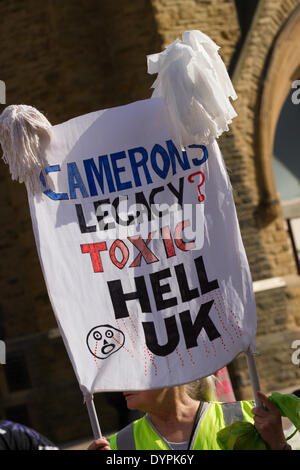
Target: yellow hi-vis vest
{"x":140,"y":435}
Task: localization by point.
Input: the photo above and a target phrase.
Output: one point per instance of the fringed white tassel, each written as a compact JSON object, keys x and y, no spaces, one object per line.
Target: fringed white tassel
{"x":23,"y":129}
{"x":195,"y":85}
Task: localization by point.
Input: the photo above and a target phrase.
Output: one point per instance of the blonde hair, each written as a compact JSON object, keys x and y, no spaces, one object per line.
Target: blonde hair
{"x":203,"y":389}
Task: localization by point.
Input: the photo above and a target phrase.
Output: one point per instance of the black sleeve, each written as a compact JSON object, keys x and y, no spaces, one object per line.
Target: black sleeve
{"x":15,"y":436}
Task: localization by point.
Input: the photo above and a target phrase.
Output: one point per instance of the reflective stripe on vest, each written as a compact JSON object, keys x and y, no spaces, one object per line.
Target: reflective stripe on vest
{"x":215,"y":416}
{"x":125,"y":438}
{"x":232,"y":412}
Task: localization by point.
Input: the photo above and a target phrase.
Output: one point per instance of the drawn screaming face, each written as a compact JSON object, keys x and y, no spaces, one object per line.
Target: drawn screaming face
{"x":104,"y":340}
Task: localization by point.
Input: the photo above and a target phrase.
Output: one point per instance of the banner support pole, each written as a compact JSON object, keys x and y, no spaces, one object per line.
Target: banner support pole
{"x":89,"y":401}
{"x":253,"y":376}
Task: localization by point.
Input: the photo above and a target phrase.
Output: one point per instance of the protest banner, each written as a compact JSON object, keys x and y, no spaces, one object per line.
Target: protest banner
{"x":149,"y":284}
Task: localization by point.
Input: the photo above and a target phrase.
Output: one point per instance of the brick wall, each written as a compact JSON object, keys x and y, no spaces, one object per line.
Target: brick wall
{"x":217,"y":19}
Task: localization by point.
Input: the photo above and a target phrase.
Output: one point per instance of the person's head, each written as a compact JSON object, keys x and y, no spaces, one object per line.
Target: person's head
{"x":144,"y":400}
{"x":201,"y":390}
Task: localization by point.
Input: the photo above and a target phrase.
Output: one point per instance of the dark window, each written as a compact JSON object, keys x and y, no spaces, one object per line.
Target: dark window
{"x":286,"y":161}
{"x":286,"y":167}
{"x":16,"y":372}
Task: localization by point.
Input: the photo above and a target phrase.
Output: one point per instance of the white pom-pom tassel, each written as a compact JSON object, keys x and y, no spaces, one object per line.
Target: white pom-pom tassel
{"x":195,"y":85}
{"x":23,"y":129}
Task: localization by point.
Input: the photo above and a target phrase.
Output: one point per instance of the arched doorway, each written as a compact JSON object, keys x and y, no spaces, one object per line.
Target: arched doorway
{"x":286,"y":166}
{"x":277,"y":131}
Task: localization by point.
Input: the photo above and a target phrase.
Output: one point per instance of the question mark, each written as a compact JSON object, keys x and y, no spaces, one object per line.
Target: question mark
{"x":201,"y":197}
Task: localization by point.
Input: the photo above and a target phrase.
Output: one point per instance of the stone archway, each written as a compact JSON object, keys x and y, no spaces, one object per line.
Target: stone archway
{"x":282,"y":69}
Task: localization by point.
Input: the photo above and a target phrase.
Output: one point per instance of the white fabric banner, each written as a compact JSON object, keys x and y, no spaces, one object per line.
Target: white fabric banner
{"x":141,"y":251}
